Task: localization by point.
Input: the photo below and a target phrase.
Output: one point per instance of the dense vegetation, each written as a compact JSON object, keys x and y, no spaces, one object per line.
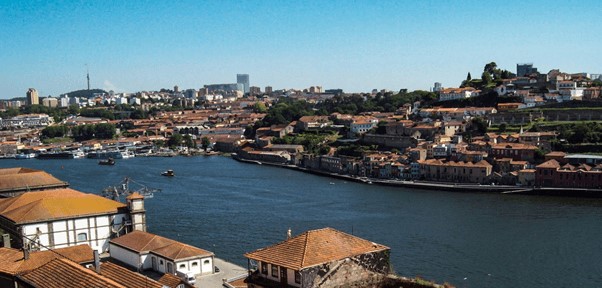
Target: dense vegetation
{"x":93,"y":131}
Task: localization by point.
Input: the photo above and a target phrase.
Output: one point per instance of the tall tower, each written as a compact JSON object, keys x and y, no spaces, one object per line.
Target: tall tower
{"x":135,"y":203}
{"x":32,"y":97}
{"x":88,"y":76}
{"x":244,"y":80}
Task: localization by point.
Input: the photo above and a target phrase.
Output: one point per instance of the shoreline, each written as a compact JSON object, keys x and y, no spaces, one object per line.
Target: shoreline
{"x":441,"y":186}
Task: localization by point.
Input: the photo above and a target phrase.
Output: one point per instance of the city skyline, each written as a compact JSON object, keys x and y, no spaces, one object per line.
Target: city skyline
{"x":357,"y":47}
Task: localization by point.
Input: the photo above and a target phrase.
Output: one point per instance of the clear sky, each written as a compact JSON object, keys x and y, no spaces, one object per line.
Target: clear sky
{"x":131,"y":46}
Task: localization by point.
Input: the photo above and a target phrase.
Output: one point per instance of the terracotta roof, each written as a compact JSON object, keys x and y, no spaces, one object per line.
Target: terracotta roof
{"x":549,"y":164}
{"x":144,"y":242}
{"x":62,"y":273}
{"x":173,"y":281}
{"x":127,"y":277}
{"x":12,"y":261}
{"x":46,"y":205}
{"x":15,"y":179}
{"x":314,"y":247}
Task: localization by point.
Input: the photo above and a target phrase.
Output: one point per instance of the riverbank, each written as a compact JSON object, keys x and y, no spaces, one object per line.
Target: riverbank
{"x":454,"y":187}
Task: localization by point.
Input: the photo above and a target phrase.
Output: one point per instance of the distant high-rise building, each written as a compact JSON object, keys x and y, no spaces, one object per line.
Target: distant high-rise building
{"x":437,"y":87}
{"x":525,"y":69}
{"x":254,"y":90}
{"x":268,"y":90}
{"x":244,"y":80}
{"x":315,"y":89}
{"x":32,"y":97}
{"x":202,"y":92}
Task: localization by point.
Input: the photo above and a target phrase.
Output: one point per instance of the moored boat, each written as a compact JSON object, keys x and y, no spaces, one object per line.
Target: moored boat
{"x":109,"y":161}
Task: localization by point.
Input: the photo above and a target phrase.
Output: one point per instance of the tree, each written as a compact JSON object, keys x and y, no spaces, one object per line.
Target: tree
{"x":175,"y":140}
{"x":205,"y":143}
{"x":490,"y":68}
{"x":468,"y":77}
{"x":188,"y":142}
{"x":503,"y":127}
{"x":259,"y":107}
{"x":486,"y":78}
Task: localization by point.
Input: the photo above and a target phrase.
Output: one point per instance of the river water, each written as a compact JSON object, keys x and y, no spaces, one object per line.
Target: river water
{"x":466,"y":239}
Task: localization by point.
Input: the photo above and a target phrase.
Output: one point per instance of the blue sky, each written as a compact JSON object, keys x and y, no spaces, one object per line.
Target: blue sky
{"x":131,"y":46}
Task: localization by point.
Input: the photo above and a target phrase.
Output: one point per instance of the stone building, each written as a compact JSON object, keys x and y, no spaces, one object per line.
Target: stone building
{"x":320,"y":258}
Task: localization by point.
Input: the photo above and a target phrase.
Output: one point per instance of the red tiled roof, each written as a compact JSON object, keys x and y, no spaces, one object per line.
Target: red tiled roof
{"x":127,"y":277}
{"x":314,"y":247}
{"x":62,"y":273}
{"x":144,"y":242}
{"x":46,"y":205}
{"x":24,"y":178}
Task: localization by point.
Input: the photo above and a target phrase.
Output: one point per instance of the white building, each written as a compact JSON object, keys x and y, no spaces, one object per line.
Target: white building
{"x":65,"y":217}
{"x":143,"y":250}
{"x":458,"y":93}
{"x":363,"y":126}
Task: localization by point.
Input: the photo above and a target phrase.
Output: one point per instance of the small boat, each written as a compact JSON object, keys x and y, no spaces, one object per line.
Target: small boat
{"x":109,"y":161}
{"x":168,"y":173}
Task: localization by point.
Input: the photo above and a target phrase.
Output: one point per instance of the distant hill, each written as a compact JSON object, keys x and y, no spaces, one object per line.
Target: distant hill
{"x":85,"y":93}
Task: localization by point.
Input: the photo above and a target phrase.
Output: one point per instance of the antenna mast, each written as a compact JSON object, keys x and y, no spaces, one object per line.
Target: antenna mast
{"x":88,"y":76}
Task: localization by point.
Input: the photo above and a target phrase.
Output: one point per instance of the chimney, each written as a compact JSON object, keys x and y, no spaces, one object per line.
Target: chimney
{"x":96,"y":261}
{"x":288,"y":233}
{"x":6,"y":240}
{"x":25,"y":253}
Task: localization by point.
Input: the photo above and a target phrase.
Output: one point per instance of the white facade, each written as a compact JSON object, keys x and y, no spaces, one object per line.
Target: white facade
{"x":361,"y":127}
{"x":94,"y":230}
{"x":457,"y":93}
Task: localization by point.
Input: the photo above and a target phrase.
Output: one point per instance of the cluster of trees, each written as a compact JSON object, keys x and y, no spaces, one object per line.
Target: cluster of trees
{"x":491,"y":77}
{"x":81,"y":132}
{"x":577,"y":133}
{"x":93,"y":131}
{"x":179,"y":140}
{"x":382,"y":102}
{"x":314,"y":143}
{"x":287,"y":110}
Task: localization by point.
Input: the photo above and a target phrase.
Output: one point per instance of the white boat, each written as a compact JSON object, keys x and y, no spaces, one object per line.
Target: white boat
{"x":78,"y":154}
{"x":25,"y":156}
{"x":127,"y":154}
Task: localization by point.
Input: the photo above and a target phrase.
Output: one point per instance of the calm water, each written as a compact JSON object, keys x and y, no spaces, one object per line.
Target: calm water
{"x":467,"y":239}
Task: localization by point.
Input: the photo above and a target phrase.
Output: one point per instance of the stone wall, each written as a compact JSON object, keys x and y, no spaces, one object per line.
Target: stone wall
{"x":392,"y":141}
{"x":366,"y":270}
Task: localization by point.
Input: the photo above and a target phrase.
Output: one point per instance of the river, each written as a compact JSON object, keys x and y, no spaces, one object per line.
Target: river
{"x":466,"y":239}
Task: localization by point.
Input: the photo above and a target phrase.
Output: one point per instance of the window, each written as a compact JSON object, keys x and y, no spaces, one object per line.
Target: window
{"x":274,"y":271}
{"x":297,"y":277}
{"x":264,"y":268}
{"x":182,"y":266}
{"x":161,"y":262}
{"x":206,"y":261}
{"x":82,"y":237}
{"x":194,"y":264}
